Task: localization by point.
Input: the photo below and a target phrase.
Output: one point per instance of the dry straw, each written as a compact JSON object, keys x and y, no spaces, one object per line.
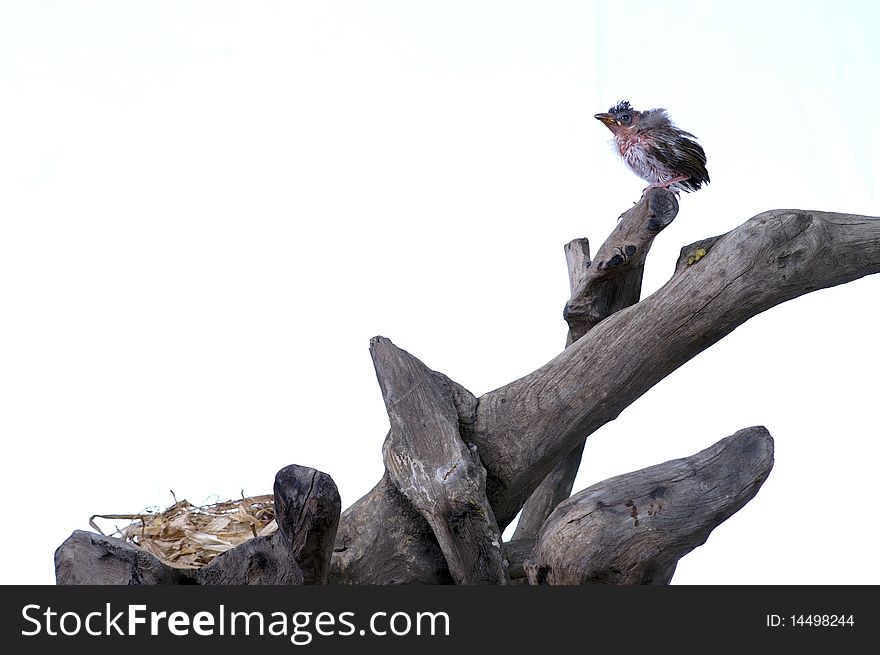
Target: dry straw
{"x":190,"y":536}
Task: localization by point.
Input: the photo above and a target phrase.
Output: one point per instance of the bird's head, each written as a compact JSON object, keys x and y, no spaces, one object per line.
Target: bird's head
{"x":621,"y":118}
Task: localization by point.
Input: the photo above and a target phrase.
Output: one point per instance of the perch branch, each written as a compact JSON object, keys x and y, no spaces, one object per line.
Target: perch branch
{"x":613,"y":280}
{"x":598,"y":289}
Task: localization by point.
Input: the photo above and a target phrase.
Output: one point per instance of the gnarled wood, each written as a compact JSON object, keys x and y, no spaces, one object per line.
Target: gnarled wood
{"x":434,"y":469}
{"x":633,"y":529}
{"x":597,"y":292}
{"x":524,"y":428}
{"x":598,"y":289}
{"x":613,"y":280}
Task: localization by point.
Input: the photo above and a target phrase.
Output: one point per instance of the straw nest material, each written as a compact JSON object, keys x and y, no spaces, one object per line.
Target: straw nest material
{"x":190,"y":536}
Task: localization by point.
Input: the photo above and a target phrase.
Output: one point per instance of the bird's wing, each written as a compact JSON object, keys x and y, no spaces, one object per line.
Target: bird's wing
{"x":681,"y":154}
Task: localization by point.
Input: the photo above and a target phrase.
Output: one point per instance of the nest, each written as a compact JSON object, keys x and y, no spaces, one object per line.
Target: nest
{"x":190,"y":536}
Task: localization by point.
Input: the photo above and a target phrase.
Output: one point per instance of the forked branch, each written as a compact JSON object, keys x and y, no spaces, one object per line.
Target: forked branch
{"x":599,"y":288}
{"x":524,"y":428}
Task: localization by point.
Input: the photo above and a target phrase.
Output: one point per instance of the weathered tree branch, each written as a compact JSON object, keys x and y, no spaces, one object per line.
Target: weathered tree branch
{"x":553,"y":489}
{"x":598,"y":289}
{"x":430,"y":465}
{"x":557,"y":486}
{"x":633,"y":529}
{"x":455,"y":463}
{"x":613,"y":280}
{"x":524,"y":428}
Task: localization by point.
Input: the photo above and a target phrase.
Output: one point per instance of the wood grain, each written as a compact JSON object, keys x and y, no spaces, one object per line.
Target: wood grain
{"x":434,"y":469}
{"x":524,"y":428}
{"x":633,"y":529}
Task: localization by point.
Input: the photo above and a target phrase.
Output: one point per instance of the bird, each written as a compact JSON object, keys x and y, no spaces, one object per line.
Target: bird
{"x":655,"y":149}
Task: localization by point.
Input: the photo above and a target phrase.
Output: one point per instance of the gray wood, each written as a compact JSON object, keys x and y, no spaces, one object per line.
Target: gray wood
{"x":86,"y":558}
{"x":553,"y":489}
{"x":382,"y":539}
{"x":633,"y":529}
{"x":459,"y":468}
{"x":525,"y":427}
{"x":577,"y":261}
{"x":613,"y":279}
{"x":517,"y":552}
{"x":307,"y":507}
{"x":434,"y":469}
{"x":598,"y":289}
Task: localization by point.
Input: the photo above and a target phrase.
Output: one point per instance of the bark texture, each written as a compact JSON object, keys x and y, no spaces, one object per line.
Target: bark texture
{"x":633,"y":529}
{"x":598,"y":289}
{"x":613,"y":280}
{"x":525,"y":428}
{"x":382,"y":539}
{"x":774,"y":257}
{"x":433,"y":468}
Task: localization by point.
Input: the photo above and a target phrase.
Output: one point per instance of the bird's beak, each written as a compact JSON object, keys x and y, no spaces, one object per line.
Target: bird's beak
{"x":608,"y":119}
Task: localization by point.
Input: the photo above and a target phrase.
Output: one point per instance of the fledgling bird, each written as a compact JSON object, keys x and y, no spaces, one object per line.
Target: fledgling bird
{"x":655,"y":149}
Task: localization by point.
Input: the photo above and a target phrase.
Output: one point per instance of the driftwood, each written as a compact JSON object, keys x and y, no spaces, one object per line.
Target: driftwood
{"x":433,"y":468}
{"x":613,"y":280}
{"x":634,"y":528}
{"x":459,"y":468}
{"x":599,"y":289}
{"x":525,"y":428}
{"x":774,"y":257}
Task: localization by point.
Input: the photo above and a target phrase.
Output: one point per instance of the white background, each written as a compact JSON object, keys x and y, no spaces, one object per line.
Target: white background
{"x":208,"y":208}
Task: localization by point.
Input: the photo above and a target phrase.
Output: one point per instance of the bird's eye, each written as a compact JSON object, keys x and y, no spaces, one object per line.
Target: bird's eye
{"x":625,"y":118}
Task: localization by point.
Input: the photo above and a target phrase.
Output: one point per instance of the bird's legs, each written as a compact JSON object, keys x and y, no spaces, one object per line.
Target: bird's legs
{"x":669,"y":183}
{"x":666,"y":184}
